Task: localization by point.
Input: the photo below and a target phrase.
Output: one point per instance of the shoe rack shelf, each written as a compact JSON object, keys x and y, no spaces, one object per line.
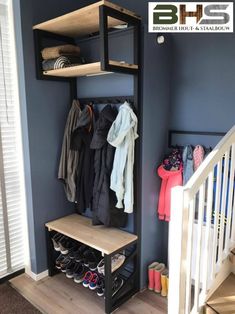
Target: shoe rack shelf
{"x":109,"y":241}
{"x":106,"y":240}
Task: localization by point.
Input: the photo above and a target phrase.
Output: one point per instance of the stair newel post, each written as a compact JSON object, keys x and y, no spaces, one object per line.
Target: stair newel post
{"x":177,"y":251}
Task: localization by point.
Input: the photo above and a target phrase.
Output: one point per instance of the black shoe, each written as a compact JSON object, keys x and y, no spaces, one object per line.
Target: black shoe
{"x":74,"y":252}
{"x":79,"y":273}
{"x":64,"y":264}
{"x":60,"y":259}
{"x":66,"y":245}
{"x":70,"y":269}
{"x":91,"y":259}
{"x":55,"y":240}
{"x":79,"y":254}
{"x":100,"y":287}
{"x":117,"y":284}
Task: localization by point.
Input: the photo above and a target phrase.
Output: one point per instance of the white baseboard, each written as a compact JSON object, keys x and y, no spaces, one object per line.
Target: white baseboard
{"x":34,"y":276}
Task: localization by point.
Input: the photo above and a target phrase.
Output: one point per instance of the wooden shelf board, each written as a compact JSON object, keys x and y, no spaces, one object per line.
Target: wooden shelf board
{"x":82,"y":22}
{"x":86,"y":69}
{"x":103,"y":239}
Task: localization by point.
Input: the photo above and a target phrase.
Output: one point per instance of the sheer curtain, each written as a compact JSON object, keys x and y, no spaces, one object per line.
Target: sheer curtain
{"x":11,"y":192}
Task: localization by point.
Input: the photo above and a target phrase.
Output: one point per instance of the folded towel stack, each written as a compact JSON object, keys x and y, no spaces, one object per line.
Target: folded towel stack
{"x":61,"y":57}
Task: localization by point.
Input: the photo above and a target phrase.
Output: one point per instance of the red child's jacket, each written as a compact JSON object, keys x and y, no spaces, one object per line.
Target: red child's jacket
{"x":170,"y":179}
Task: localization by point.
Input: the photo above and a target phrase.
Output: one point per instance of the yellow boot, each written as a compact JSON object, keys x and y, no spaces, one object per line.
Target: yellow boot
{"x":164,"y":276}
{"x":167,"y":283}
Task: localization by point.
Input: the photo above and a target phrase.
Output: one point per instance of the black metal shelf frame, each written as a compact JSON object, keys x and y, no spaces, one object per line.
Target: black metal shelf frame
{"x":132,"y":284}
{"x":183,"y":132}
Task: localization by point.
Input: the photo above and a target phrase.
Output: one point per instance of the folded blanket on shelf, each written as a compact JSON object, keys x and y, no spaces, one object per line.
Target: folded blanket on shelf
{"x":58,"y":51}
{"x":61,"y":62}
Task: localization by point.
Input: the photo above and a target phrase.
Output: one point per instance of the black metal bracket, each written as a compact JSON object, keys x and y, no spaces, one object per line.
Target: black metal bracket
{"x":130,"y":286}
{"x":104,"y":13}
{"x":50,"y":255}
{"x":39,"y":37}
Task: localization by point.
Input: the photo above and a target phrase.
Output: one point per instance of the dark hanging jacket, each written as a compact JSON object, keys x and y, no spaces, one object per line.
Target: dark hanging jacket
{"x":81,"y":140}
{"x":104,"y":199}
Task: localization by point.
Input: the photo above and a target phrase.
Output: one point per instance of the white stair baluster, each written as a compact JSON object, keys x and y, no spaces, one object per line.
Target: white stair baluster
{"x":223,"y":208}
{"x":199,"y":245}
{"x":189,"y":256}
{"x":208,"y":239}
{"x":230,"y":201}
{"x":216,"y":218}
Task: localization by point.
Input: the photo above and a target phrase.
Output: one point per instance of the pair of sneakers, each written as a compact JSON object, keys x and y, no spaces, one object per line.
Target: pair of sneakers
{"x":71,"y":267}
{"x":76,"y":271}
{"x":89,"y":257}
{"x":116,"y":262}
{"x":95,"y":282}
{"x":63,"y":244}
{"x":158,"y":278}
{"x":90,"y":280}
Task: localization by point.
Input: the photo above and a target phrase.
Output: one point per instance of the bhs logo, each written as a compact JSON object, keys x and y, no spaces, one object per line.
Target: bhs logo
{"x":191,"y":17}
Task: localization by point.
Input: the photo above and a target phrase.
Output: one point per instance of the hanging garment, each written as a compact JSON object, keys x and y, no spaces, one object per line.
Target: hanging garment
{"x":198,"y":156}
{"x":173,"y":160}
{"x":187,"y":163}
{"x":170,"y":179}
{"x":104,"y":199}
{"x":69,"y":158}
{"x":81,"y":140}
{"x":122,"y":135}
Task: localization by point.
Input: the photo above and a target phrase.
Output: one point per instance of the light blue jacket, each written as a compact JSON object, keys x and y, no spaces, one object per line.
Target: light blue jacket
{"x":122,"y":135}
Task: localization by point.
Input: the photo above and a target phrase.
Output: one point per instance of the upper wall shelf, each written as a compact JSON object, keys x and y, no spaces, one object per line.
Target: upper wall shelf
{"x":82,"y":22}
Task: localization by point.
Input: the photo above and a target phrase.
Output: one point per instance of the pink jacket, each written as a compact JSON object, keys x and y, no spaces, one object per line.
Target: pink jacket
{"x":170,"y":179}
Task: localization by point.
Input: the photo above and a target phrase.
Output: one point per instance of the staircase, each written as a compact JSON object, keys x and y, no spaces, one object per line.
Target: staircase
{"x":223,"y":299}
{"x":202,"y":231}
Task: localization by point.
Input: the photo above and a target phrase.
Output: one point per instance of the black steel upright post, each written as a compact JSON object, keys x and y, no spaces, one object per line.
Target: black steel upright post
{"x":108,"y":284}
{"x":50,"y":254}
{"x":104,"y":49}
{"x":138,"y":155}
{"x":73,"y":89}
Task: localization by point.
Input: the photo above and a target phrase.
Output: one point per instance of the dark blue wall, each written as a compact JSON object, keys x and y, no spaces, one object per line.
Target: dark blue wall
{"x":156,"y":106}
{"x":47,"y":107}
{"x":203,"y":82}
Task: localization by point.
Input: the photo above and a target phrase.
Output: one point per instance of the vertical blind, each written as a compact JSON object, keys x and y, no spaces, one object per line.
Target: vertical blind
{"x":11,"y":211}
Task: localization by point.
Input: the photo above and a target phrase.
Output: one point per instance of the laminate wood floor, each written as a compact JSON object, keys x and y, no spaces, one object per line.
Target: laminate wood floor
{"x":60,"y":295}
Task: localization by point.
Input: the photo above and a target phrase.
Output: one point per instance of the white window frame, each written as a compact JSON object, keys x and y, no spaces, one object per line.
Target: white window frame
{"x":20,"y":105}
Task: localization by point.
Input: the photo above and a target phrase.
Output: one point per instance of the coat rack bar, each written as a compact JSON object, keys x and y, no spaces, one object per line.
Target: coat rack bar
{"x":171,"y":132}
{"x":107,"y":100}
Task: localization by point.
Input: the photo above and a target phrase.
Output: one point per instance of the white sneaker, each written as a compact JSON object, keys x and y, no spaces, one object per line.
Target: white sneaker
{"x":117,"y":261}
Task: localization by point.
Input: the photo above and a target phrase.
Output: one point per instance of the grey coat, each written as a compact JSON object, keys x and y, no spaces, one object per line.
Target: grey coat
{"x":69,"y":158}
